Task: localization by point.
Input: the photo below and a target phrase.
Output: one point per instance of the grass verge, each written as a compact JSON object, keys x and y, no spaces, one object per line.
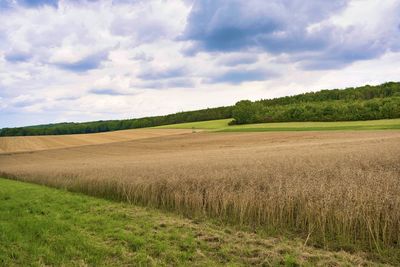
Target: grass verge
{"x":43,"y":226}
{"x":222,"y":125}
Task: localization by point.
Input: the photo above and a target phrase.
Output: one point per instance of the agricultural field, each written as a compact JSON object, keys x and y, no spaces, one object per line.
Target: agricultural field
{"x":333,"y":190}
{"x":56,"y":227}
{"x":34,"y":143}
{"x":223,"y":125}
{"x":199,"y":133}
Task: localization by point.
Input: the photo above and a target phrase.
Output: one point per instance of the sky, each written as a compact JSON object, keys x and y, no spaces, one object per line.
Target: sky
{"x":75,"y":60}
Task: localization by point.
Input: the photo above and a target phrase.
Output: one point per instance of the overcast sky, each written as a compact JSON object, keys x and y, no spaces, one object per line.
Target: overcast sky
{"x":88,"y":60}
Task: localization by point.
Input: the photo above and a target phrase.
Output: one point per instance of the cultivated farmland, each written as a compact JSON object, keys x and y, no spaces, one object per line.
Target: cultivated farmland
{"x":51,"y":227}
{"x":333,"y":189}
{"x":34,"y":143}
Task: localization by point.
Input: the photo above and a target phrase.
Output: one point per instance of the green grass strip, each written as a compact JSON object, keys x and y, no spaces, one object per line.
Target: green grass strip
{"x":222,"y":126}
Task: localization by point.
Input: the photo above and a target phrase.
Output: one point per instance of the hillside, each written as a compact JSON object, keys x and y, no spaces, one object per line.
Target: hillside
{"x":13,"y":144}
{"x":224,"y":126}
{"x":361,"y":103}
{"x":114,"y":125}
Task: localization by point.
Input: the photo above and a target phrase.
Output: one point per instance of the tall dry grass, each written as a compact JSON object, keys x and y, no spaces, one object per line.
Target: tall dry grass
{"x":332,"y":189}
{"x":10,"y":144}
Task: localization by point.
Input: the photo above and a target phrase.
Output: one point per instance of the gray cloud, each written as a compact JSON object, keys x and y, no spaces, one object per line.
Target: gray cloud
{"x":241,"y":75}
{"x":17,"y":56}
{"x":154,"y":74}
{"x":235,"y":60}
{"x":67,"y":98}
{"x":281,"y":27}
{"x":23,"y":101}
{"x":142,"y":56}
{"x":106,"y":91}
{"x":88,"y":63}
{"x":166,"y":84}
{"x":225,"y":25}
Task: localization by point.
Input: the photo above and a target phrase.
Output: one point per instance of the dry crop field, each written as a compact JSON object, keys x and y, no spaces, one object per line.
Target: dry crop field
{"x":34,"y":143}
{"x":334,"y":189}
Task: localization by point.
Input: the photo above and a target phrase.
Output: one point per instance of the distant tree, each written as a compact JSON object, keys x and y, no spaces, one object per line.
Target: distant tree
{"x":244,"y":112}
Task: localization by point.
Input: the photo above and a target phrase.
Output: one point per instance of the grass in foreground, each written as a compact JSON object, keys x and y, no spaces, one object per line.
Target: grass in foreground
{"x":42,"y":226}
{"x":222,"y":125}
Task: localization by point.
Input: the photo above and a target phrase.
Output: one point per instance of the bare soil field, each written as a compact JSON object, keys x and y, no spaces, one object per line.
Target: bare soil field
{"x":339,"y":189}
{"x":34,"y":143}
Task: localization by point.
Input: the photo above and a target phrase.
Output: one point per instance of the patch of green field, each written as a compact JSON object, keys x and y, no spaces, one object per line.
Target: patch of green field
{"x":40,"y":226}
{"x":222,"y":125}
{"x":207,"y":125}
{"x":210,"y":125}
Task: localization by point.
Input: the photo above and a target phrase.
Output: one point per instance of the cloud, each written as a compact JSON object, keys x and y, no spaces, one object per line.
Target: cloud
{"x":106,"y":91}
{"x":241,"y":75}
{"x":4,"y":4}
{"x":225,"y":25}
{"x":28,"y":3}
{"x":35,"y":3}
{"x":164,"y":73}
{"x":88,"y":63}
{"x":147,"y":22}
{"x":294,"y":27}
{"x":62,"y":60}
{"x":67,"y":98}
{"x":233,"y":60}
{"x":142,"y":56}
{"x":23,"y":101}
{"x":167,"y":84}
{"x":17,"y":56}
{"x":342,"y":54}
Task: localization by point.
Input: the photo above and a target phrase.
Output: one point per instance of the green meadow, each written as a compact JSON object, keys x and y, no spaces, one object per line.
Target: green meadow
{"x":222,"y":126}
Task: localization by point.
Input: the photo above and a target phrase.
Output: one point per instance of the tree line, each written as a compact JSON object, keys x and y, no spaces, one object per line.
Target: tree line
{"x":374,"y":109}
{"x":361,"y":103}
{"x":113,"y":125}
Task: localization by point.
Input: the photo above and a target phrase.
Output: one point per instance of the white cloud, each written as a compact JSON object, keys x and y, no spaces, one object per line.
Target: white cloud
{"x":102,"y":60}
